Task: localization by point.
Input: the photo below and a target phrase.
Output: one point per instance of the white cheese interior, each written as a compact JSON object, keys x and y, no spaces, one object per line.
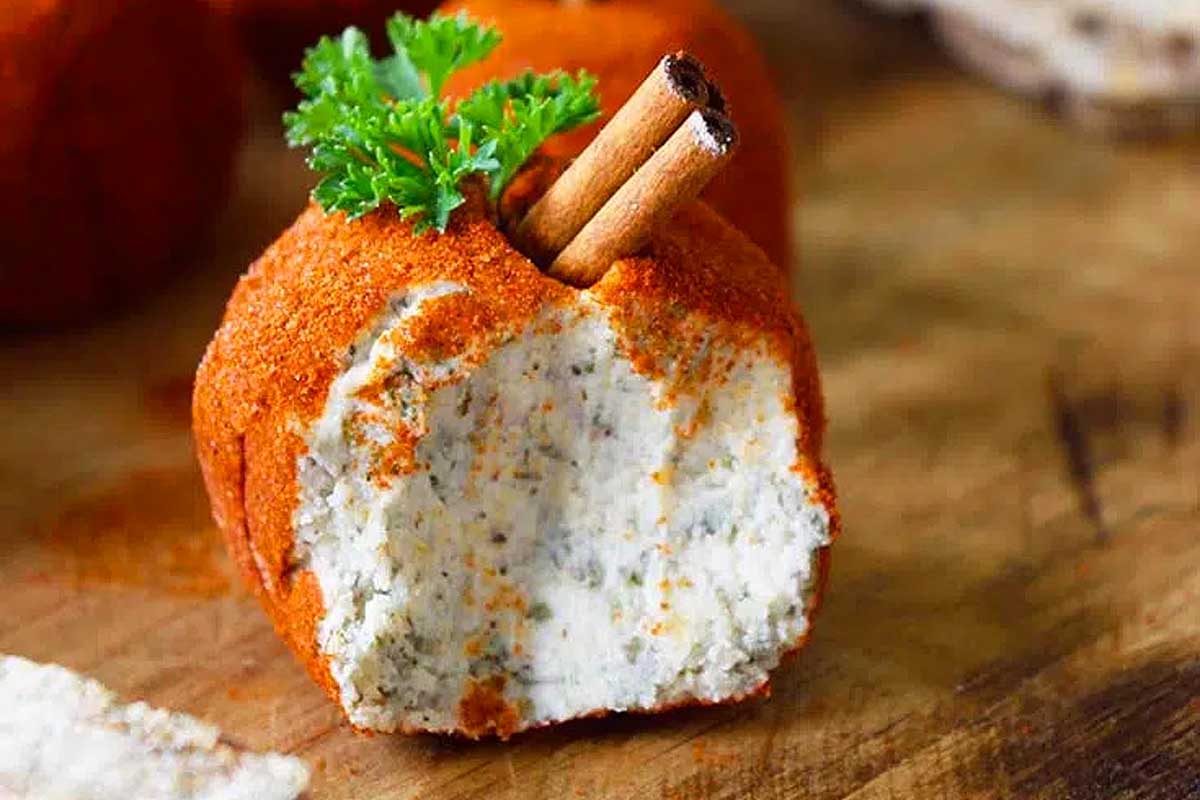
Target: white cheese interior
{"x":564,"y":529}
{"x":65,"y":737}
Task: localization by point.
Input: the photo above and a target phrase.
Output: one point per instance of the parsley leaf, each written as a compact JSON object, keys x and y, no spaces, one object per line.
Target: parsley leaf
{"x":522,"y":113}
{"x":379,"y":130}
{"x":440,"y":46}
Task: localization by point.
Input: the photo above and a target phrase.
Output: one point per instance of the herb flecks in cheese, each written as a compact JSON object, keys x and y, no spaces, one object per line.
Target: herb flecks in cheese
{"x":528,"y":525}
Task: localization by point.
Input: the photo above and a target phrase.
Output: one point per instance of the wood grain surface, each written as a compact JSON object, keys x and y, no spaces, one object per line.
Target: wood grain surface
{"x":1007,"y":318}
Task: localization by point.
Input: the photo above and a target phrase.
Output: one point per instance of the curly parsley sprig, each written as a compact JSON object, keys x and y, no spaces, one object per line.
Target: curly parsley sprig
{"x":379,"y":130}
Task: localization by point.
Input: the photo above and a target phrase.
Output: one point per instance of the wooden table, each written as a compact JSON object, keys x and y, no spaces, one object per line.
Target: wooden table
{"x":1007,"y":318}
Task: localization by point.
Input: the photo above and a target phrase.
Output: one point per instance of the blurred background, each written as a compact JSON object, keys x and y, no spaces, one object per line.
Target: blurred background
{"x":994,"y":226}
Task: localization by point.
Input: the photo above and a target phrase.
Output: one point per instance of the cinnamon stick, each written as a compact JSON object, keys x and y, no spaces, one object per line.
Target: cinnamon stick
{"x":671,"y":92}
{"x":676,"y":173}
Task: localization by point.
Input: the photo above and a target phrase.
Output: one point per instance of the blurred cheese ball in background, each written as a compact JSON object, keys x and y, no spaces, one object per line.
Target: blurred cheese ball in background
{"x":620,"y":41}
{"x":276,"y":33}
{"x":118,"y":125}
{"x":1121,"y":66}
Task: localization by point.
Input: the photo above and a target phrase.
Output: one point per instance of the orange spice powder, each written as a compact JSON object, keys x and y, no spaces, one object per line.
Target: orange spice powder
{"x":484,"y":709}
{"x":150,"y":530}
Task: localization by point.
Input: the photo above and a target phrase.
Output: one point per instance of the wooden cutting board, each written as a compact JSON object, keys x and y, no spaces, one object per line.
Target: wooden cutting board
{"x":1007,"y":318}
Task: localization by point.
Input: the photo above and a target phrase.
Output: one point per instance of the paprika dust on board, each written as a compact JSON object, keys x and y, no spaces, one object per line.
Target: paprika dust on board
{"x":150,"y":530}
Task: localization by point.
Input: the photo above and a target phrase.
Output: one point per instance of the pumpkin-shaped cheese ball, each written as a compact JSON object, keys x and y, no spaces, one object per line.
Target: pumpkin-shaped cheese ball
{"x":476,"y":500}
{"x":619,"y":41}
{"x":118,"y":125}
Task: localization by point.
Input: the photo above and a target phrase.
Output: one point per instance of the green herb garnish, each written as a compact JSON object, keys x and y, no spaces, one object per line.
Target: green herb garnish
{"x":379,"y":130}
{"x":539,"y":612}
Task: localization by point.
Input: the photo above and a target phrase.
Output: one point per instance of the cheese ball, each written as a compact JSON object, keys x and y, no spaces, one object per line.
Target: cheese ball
{"x":620,"y":41}
{"x":276,"y":33}
{"x":118,"y":125}
{"x":475,"y":500}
